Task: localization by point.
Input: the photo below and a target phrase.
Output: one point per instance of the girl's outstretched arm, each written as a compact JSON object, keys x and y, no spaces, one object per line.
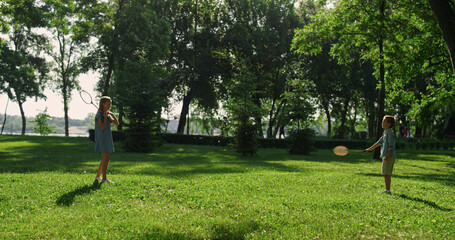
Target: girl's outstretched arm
{"x":372,"y":147}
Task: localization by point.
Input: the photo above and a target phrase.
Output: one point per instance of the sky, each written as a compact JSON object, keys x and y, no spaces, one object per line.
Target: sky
{"x":54,"y":102}
{"x":78,"y":109}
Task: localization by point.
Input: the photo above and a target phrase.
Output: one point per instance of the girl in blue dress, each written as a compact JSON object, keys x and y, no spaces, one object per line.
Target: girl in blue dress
{"x":103,"y":136}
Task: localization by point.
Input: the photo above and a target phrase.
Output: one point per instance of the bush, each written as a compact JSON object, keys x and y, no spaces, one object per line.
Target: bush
{"x":418,"y":145}
{"x":197,"y":139}
{"x":245,"y":141}
{"x":302,"y":141}
{"x":141,"y":138}
{"x":42,"y":124}
{"x":438,"y":145}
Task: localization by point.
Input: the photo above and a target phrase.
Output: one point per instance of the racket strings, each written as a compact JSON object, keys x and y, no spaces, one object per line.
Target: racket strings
{"x":86,"y":97}
{"x":341,"y":151}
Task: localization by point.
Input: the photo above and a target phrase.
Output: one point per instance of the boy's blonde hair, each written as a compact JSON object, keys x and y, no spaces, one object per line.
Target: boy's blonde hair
{"x":390,"y":119}
{"x":102,"y":101}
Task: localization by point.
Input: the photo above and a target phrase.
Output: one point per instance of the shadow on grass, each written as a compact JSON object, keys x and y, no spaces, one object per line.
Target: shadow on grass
{"x":68,"y":198}
{"x":445,"y":179}
{"x":24,"y":154}
{"x":237,"y":231}
{"x":429,"y":203}
{"x":429,"y":156}
{"x":163,"y":235}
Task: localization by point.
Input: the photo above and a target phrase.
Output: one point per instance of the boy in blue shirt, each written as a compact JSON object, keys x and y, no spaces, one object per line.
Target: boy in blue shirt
{"x":388,"y":155}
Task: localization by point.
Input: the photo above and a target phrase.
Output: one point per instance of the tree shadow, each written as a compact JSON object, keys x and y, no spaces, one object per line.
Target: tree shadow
{"x":37,"y":154}
{"x":429,"y":156}
{"x":67,"y":199}
{"x":234,"y":231}
{"x":427,"y":202}
{"x":445,"y":179}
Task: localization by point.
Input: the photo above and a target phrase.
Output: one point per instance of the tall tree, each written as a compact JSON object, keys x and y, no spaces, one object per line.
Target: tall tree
{"x":70,"y":48}
{"x":100,"y":20}
{"x":260,"y":33}
{"x":424,"y":78}
{"x":22,"y":70}
{"x":140,"y":83}
{"x":361,"y":27}
{"x":197,"y":58}
{"x":444,"y":10}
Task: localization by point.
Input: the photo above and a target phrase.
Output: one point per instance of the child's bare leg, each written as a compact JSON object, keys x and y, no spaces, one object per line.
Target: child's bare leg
{"x":100,"y":168}
{"x":105,"y":163}
{"x":388,"y":181}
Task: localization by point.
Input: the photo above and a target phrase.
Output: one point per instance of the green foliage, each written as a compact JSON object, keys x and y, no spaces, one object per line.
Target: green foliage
{"x":259,"y":34}
{"x":245,"y":141}
{"x":42,"y":124}
{"x":140,"y":87}
{"x":243,"y":112}
{"x":299,"y":110}
{"x":302,"y":141}
{"x":72,"y":47}
{"x":138,"y":93}
{"x":23,"y":69}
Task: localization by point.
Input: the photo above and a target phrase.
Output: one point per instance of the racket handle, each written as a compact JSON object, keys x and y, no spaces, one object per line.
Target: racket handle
{"x":356,"y":150}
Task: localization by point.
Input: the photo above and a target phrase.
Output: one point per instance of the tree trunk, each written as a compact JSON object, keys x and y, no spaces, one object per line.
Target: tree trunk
{"x":280,"y":108}
{"x":371,"y":118}
{"x":4,"y":119}
{"x":344,"y":114}
{"x":327,"y":113}
{"x":258,"y":120}
{"x":24,"y":121}
{"x":111,"y":55}
{"x":121,"y":115}
{"x":354,"y":120}
{"x":271,"y":119}
{"x":379,"y":132}
{"x":67,"y":132}
{"x":107,"y":81}
{"x":445,"y":126}
{"x":65,"y":108}
{"x":185,"y":109}
{"x":445,"y":15}
{"x":418,"y":133}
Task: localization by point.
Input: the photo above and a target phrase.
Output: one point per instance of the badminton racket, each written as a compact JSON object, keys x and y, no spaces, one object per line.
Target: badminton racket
{"x":343,"y":151}
{"x":87,"y":98}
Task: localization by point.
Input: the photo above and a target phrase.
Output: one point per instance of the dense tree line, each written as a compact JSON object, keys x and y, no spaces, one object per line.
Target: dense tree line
{"x":274,"y":64}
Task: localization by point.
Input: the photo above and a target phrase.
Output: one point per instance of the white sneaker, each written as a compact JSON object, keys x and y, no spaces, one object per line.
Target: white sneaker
{"x":386,"y":192}
{"x":107,"y":181}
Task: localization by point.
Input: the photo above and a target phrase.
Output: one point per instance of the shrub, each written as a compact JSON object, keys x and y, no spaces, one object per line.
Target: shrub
{"x":302,"y":141}
{"x":141,"y":138}
{"x":245,"y":141}
{"x":42,"y":124}
{"x":418,"y":145}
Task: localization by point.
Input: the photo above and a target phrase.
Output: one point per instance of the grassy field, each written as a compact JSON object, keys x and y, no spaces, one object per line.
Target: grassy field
{"x":200,"y":192}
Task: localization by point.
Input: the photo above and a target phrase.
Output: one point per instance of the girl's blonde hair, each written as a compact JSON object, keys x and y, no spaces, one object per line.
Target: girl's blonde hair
{"x":103,"y":100}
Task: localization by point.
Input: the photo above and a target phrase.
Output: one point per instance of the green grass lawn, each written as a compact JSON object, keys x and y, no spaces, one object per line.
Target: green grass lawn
{"x":202,"y":192}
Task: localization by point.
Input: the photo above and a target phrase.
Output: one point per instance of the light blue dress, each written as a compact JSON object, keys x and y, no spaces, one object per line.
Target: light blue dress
{"x":103,"y":138}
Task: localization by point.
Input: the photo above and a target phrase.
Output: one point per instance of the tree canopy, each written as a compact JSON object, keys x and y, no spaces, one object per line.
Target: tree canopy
{"x":271,"y":66}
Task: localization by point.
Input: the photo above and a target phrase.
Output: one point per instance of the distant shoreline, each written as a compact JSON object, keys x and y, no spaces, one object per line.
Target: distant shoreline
{"x":52,"y":134}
